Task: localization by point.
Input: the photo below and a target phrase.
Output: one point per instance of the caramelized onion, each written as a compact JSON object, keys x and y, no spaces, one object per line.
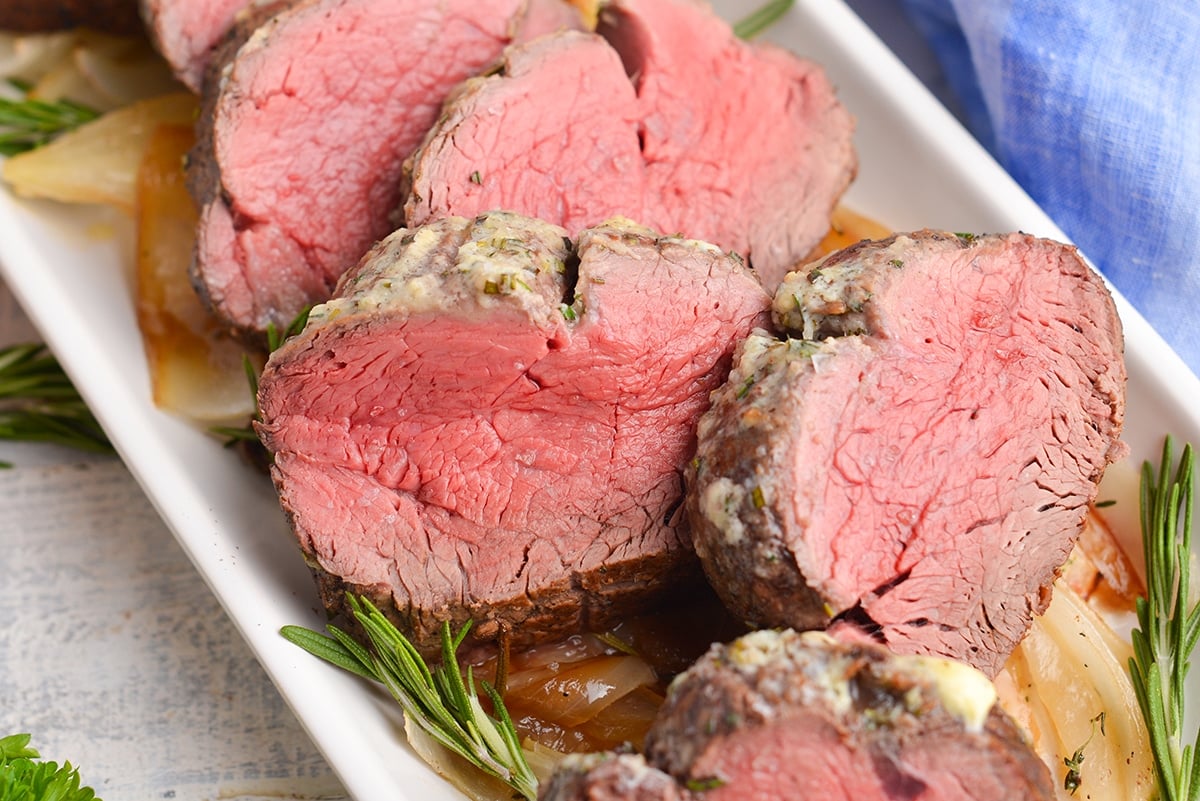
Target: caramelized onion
{"x":98,"y":162}
{"x":1069,"y":669}
{"x":123,"y":70}
{"x":624,"y":721}
{"x":28,"y":56}
{"x":195,"y":368}
{"x":578,"y":693}
{"x":473,"y":783}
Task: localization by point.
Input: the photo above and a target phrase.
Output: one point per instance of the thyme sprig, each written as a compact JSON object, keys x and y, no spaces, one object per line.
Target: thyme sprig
{"x":28,"y":123}
{"x":24,"y":778}
{"x":1074,"y":763}
{"x":38,"y":402}
{"x":441,"y":700}
{"x":1168,"y":622}
{"x":764,"y":17}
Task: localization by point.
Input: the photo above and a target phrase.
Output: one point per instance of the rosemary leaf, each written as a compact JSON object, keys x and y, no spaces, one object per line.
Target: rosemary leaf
{"x":329,"y":649}
{"x":27,"y":123}
{"x":234,"y":434}
{"x":442,"y":701}
{"x":764,"y":17}
{"x":1168,"y":622}
{"x":38,"y":403}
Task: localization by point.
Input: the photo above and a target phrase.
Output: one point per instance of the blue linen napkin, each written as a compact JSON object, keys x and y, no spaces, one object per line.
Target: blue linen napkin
{"x":1093,"y":106}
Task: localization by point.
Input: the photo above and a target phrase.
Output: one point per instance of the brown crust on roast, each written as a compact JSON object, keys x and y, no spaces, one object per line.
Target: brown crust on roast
{"x":33,"y":16}
{"x":593,"y":600}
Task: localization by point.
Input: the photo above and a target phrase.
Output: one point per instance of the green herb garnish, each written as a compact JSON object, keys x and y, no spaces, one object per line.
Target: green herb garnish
{"x":705,"y":784}
{"x":1168,"y":622}
{"x":758,"y":21}
{"x":27,"y":123}
{"x":1074,"y":763}
{"x":38,"y":403}
{"x":23,"y":778}
{"x":441,"y":700}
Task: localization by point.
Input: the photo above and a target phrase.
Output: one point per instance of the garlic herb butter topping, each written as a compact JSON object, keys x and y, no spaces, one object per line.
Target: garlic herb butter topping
{"x":916,"y":681}
{"x":830,"y":297}
{"x":720,"y":504}
{"x":964,"y":691}
{"x":496,"y":257}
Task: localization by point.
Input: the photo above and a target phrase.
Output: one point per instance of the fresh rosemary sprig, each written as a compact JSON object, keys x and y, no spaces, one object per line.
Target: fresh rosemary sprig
{"x":23,"y":778}
{"x":758,"y":21}
{"x":38,"y":403}
{"x":1168,"y":622}
{"x":443,"y":702}
{"x":28,"y":123}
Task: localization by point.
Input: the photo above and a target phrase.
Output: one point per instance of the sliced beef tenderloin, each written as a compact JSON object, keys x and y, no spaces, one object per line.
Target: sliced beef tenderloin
{"x":916,"y":456}
{"x":187,"y":32}
{"x":669,"y":119}
{"x":460,"y":434}
{"x":298,"y":161}
{"x":552,"y":134}
{"x":786,"y":715}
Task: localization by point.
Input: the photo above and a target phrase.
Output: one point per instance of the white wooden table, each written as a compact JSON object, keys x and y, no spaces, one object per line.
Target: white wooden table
{"x":115,"y":656}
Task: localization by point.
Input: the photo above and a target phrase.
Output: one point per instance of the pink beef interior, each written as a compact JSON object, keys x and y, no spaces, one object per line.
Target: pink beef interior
{"x":669,"y":119}
{"x":745,"y":145}
{"x":803,"y":757}
{"x":970,"y":386}
{"x":466,"y":457}
{"x":558,"y":141}
{"x":782,"y":715}
{"x":807,"y":757}
{"x":318,"y":112}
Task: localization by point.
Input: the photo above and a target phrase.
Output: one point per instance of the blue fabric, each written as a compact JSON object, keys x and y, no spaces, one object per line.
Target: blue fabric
{"x":1093,"y":106}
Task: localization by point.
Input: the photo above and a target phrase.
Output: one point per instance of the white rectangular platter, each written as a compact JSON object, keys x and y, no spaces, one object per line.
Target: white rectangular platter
{"x":918,"y":169}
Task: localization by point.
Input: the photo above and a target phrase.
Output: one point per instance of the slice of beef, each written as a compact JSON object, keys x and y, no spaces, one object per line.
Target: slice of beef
{"x":552,"y":134}
{"x":31,"y":16}
{"x":777,"y":715}
{"x":916,"y":457}
{"x":187,"y":32}
{"x":305,"y":128}
{"x":461,"y":433}
{"x":670,"y":119}
{"x":785,"y":715}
